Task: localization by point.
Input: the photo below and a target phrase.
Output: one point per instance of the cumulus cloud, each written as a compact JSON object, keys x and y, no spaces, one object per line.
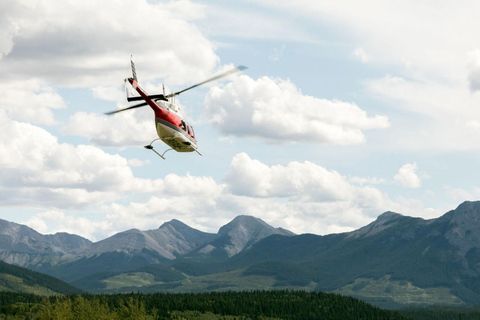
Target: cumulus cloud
{"x":83,"y":44}
{"x":302,"y":181}
{"x":435,"y":71}
{"x":131,"y":128}
{"x":119,"y":130}
{"x":53,"y":221}
{"x":30,"y":100}
{"x":407,"y":176}
{"x":299,"y":196}
{"x":367,"y":180}
{"x":276,"y":110}
{"x":137,"y":162}
{"x":38,"y":170}
{"x":194,"y":200}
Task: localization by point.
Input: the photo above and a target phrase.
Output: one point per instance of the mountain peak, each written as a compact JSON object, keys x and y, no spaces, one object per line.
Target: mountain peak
{"x":245,"y":222}
{"x":243,"y":231}
{"x":464,"y":223}
{"x":383,"y":221}
{"x":177,"y":224}
{"x":466,"y":213}
{"x":388,"y":215}
{"x":467,"y":208}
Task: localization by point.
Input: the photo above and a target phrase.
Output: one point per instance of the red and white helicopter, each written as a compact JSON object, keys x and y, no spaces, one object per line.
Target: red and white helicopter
{"x":171,"y":127}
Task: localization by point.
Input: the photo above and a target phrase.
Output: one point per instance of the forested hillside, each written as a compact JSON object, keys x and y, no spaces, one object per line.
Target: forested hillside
{"x":18,"y":279}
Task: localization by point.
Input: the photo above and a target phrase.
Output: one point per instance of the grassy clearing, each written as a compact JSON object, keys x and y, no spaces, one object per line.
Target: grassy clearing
{"x":15,"y":284}
{"x":133,"y":279}
{"x":400,"y":292}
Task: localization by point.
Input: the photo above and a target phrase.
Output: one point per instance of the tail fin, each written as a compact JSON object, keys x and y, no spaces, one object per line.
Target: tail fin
{"x":134,"y":73}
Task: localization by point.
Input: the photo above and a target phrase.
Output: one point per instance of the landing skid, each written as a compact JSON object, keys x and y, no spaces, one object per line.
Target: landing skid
{"x":150,"y":147}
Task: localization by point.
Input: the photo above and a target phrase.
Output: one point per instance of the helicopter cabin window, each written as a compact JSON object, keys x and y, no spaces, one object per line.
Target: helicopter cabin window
{"x":188,"y":130}
{"x":184,"y":127}
{"x":193,"y":132}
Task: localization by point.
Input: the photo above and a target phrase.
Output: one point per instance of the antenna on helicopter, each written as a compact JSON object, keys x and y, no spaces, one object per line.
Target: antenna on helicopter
{"x":134,"y":73}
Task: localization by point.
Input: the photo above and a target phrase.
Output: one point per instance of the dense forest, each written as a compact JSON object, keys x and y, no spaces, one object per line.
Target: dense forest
{"x":265,"y":305}
{"x":215,"y":305}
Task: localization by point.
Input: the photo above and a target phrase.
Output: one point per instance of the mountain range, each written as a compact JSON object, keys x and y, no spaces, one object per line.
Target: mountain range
{"x":394,"y":261}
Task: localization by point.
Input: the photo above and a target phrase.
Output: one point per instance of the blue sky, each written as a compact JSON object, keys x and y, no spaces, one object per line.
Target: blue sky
{"x":347,"y":110}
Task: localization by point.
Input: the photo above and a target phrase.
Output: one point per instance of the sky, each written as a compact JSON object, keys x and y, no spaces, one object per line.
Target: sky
{"x":347,"y":109}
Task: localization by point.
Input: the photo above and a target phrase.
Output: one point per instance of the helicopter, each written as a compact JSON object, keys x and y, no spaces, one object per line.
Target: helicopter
{"x":171,"y":127}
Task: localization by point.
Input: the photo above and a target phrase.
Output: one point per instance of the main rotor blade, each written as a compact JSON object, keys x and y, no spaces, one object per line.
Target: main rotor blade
{"x":153,"y":96}
{"x":124,"y":109}
{"x":221,"y":75}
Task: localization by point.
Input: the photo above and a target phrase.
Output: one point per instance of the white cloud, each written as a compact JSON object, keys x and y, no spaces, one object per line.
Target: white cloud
{"x":83,"y":44}
{"x":302,"y":197}
{"x":302,"y":181}
{"x":275,"y":110}
{"x":193,"y":200}
{"x":431,"y":50}
{"x":30,"y":100}
{"x":37,"y":170}
{"x":120,"y":130}
{"x":367,"y":180}
{"x":407,"y":176}
{"x":53,"y":221}
{"x":130,"y":128}
{"x":137,"y":162}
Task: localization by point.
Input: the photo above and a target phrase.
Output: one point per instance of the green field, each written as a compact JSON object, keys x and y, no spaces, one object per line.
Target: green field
{"x":399,"y":292}
{"x":16,"y":284}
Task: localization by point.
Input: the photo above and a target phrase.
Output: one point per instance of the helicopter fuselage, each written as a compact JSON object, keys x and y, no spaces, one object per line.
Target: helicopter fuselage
{"x":171,"y":128}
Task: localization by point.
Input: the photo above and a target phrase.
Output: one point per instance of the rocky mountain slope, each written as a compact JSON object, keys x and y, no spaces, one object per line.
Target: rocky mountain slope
{"x":396,"y":259}
{"x":239,"y":234}
{"x":26,"y":247}
{"x":76,"y":258}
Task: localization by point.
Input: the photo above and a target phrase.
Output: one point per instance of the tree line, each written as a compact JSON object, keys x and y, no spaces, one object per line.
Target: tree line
{"x":214,"y":305}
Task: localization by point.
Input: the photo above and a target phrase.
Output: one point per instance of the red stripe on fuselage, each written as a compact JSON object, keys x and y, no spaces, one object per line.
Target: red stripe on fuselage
{"x":159,"y":112}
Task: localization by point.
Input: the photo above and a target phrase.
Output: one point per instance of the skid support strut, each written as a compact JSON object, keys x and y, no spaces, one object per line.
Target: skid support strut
{"x":150,"y":147}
